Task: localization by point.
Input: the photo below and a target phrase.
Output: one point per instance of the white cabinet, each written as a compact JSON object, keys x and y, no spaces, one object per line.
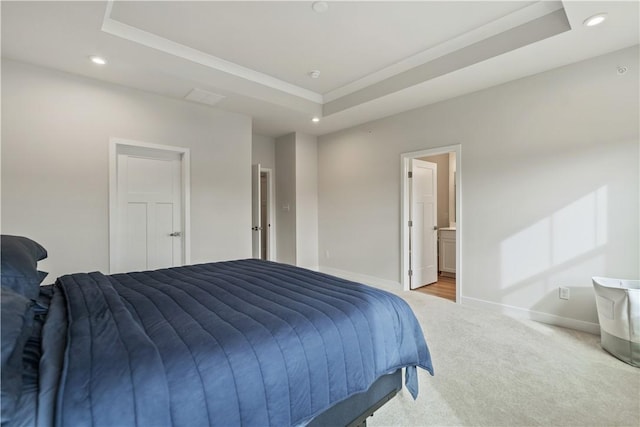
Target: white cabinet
{"x":447,"y":251}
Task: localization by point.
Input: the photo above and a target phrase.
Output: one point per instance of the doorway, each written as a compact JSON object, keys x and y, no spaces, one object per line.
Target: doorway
{"x":448,"y":223}
{"x":423,"y":230}
{"x":262,"y":214}
{"x":148,"y":206}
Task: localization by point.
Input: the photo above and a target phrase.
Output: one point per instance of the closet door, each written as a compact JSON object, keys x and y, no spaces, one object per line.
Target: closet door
{"x":149,"y":209}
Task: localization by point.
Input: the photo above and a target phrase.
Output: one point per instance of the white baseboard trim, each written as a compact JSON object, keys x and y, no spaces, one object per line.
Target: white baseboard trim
{"x":362,"y":278}
{"x":508,"y":310}
{"x":551,"y":319}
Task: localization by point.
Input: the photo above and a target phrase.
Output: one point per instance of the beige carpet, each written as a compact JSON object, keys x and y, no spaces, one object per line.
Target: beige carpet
{"x":493,"y":370}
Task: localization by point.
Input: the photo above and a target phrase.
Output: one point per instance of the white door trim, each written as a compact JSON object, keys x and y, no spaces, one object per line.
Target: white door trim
{"x":116,"y":145}
{"x":405,"y":160}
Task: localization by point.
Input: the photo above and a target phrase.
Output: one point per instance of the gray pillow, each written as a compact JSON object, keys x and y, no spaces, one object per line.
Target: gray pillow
{"x":20,"y":256}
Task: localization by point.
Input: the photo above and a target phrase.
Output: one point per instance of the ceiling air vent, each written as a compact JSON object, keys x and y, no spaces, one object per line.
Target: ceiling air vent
{"x":204,"y":97}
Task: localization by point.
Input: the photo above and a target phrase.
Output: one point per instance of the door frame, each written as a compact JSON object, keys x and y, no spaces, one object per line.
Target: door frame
{"x":119,"y":145}
{"x":405,"y":209}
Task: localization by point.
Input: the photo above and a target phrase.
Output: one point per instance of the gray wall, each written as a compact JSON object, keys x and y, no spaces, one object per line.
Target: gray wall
{"x":442,"y":160}
{"x":55,"y":135}
{"x":286,"y":198}
{"x":263,"y":151}
{"x":307,"y":201}
{"x":297,"y":199}
{"x":549,"y":180}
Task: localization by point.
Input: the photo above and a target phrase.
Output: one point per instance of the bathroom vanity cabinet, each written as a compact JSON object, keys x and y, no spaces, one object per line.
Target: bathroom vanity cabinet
{"x":447,"y":251}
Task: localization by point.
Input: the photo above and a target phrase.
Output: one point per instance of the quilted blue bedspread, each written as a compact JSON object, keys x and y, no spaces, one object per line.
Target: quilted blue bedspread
{"x":234,"y":343}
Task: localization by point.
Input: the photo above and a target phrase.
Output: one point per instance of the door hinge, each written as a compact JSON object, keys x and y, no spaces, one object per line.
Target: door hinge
{"x":410,"y":174}
{"x":410,"y":273}
{"x":410,"y":223}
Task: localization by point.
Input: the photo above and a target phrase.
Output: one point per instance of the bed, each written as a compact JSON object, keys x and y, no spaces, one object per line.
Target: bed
{"x":244,"y":342}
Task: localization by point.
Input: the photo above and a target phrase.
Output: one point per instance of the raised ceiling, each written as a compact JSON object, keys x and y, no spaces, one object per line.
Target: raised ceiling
{"x":374,"y":58}
{"x":287,"y":40}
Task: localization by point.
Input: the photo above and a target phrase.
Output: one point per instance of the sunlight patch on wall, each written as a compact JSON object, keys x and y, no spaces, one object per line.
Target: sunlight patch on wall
{"x":560,"y":238}
{"x":579,"y":227}
{"x":526,"y":253}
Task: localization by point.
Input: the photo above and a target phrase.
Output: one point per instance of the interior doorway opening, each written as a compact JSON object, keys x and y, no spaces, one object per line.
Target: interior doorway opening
{"x":420,"y":231}
{"x":263,"y":214}
{"x":423,"y":223}
{"x":149,"y":206}
{"x":264,"y":219}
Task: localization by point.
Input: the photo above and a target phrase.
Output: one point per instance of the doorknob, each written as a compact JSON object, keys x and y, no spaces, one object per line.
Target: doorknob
{"x":175,"y":234}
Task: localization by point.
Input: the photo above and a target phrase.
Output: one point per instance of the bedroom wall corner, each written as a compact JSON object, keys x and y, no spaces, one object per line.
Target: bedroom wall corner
{"x":297,"y":199}
{"x":307,"y":201}
{"x":286,"y":198}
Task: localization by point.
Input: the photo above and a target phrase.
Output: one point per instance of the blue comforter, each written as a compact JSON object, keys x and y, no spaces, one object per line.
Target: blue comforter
{"x":234,"y":343}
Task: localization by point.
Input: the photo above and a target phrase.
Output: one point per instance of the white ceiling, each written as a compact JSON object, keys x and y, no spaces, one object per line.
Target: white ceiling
{"x":375,"y":58}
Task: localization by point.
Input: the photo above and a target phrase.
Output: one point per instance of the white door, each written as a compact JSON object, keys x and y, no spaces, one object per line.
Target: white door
{"x":256,"y":212}
{"x":265,"y":217}
{"x":149,"y":209}
{"x":423,"y":232}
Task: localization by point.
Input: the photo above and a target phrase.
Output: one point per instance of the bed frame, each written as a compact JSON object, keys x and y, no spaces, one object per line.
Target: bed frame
{"x":354,"y":411}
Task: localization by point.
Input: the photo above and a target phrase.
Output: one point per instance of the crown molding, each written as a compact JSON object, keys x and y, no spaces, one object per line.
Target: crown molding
{"x":145,"y":38}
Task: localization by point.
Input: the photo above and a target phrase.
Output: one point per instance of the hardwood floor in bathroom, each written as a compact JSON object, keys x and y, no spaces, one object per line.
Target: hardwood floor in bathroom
{"x":445,"y":287}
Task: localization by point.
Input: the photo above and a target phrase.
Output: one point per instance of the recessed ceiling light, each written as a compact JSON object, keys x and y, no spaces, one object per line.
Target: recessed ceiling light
{"x":594,"y":20}
{"x":320,"y":6}
{"x":98,"y":60}
{"x":315,"y":119}
{"x":314,"y":74}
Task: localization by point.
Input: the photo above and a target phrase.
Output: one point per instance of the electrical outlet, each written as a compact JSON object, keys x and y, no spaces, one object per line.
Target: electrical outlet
{"x":564,"y":293}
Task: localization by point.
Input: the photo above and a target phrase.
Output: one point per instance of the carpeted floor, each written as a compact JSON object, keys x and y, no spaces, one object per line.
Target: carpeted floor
{"x":493,"y":370}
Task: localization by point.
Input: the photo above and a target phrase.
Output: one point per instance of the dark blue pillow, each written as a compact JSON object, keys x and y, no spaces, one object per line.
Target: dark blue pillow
{"x":20,"y":257}
{"x":16,"y":318}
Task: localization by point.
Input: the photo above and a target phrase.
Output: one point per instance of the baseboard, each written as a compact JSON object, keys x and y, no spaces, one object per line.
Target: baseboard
{"x":363,"y":278}
{"x":512,"y":311}
{"x":551,"y":319}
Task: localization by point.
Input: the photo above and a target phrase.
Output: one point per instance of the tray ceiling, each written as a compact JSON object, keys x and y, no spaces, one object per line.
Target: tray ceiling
{"x":374,"y":58}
